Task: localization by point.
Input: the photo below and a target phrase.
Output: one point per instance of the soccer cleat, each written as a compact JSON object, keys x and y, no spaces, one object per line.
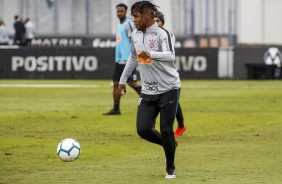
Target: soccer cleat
{"x":170,"y":173}
{"x":179,"y":131}
{"x":112,"y":112}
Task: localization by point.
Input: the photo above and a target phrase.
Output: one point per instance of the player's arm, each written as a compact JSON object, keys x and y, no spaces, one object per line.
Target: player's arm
{"x":129,"y":27}
{"x":131,"y":64}
{"x":167,"y":45}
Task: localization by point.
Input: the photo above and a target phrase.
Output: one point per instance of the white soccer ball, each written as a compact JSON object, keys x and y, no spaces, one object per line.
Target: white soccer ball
{"x":68,"y":150}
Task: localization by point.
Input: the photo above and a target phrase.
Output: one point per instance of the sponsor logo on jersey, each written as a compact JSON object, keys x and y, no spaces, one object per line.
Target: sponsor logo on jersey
{"x":118,"y":38}
{"x":151,"y":86}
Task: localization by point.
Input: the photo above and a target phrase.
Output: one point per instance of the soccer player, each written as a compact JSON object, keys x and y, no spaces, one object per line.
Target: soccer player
{"x":123,"y":44}
{"x":152,"y":51}
{"x":159,"y":19}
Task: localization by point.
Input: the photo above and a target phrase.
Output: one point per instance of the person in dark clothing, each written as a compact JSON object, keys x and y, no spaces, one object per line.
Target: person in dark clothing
{"x":123,"y":44}
{"x":19,"y":31}
{"x":160,"y":20}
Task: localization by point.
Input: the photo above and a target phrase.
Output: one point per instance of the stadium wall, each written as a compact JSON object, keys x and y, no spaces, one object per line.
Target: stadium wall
{"x":259,"y":22}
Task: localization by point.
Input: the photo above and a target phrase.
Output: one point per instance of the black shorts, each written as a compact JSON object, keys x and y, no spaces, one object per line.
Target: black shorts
{"x":118,"y":72}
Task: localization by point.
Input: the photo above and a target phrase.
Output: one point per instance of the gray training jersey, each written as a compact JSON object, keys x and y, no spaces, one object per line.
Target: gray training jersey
{"x":158,"y":75}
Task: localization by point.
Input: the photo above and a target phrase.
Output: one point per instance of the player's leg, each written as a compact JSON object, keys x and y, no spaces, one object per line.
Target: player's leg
{"x":146,"y":119}
{"x":135,"y":86}
{"x":132,"y":82}
{"x":168,"y":108}
{"x":116,"y":93}
{"x":180,"y":120}
{"x":179,"y":117}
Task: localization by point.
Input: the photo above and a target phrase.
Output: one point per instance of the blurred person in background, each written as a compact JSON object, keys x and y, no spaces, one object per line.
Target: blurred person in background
{"x":123,"y":45}
{"x":159,"y":19}
{"x":29,"y":26}
{"x":204,"y":42}
{"x":214,"y":42}
{"x":19,"y":31}
{"x":4,"y":37}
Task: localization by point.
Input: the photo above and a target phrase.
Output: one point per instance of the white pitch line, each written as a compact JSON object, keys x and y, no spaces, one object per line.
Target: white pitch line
{"x":49,"y":86}
{"x":229,"y":87}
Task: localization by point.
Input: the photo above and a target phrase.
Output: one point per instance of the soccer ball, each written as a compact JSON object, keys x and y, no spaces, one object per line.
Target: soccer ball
{"x":68,"y":150}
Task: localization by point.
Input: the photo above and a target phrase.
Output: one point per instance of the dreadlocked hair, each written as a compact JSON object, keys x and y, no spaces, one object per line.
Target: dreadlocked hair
{"x":143,"y":6}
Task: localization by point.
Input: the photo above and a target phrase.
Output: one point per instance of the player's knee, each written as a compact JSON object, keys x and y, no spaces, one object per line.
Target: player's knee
{"x":143,"y":132}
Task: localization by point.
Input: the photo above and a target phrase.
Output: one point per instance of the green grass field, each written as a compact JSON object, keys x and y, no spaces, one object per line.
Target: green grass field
{"x":234,"y":134}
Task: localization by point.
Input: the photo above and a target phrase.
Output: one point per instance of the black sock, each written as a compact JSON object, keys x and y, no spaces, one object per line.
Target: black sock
{"x":116,"y":105}
{"x":179,"y":117}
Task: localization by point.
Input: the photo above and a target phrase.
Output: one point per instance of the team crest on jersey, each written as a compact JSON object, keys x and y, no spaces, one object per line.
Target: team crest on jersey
{"x":153,"y":43}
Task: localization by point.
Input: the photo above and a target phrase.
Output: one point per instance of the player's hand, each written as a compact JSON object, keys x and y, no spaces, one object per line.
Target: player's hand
{"x":144,"y":54}
{"x":122,"y":89}
{"x":144,"y":57}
